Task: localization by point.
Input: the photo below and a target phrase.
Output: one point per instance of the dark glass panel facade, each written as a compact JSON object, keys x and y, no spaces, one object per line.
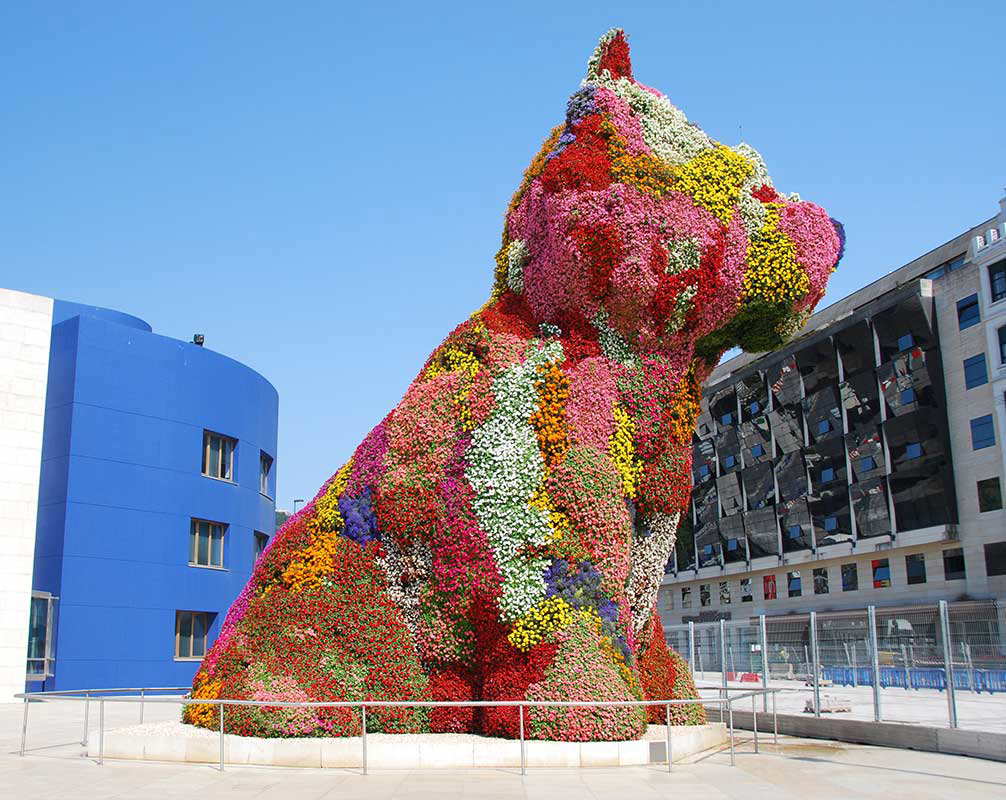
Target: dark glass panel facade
{"x":818,"y":365}
{"x":861,"y":399}
{"x":703,"y":461}
{"x":791,"y":474}
{"x":728,"y":450}
{"x":706,"y":503}
{"x":723,"y":407}
{"x":707,"y":544}
{"x":762,"y":532}
{"x":914,"y":439}
{"x":826,"y":464}
{"x":906,"y":383}
{"x":753,"y":396}
{"x":784,"y":382}
{"x":869,"y":504}
{"x":855,"y":348}
{"x":729,"y":488}
{"x":759,"y":486}
{"x":904,"y":326}
{"x":866,"y":454}
{"x":732,"y":540}
{"x":823,"y":415}
{"x":756,"y":439}
{"x":829,"y":511}
{"x":796,"y":527}
{"x":704,"y":427}
{"x":787,"y":425}
{"x":921,"y":497}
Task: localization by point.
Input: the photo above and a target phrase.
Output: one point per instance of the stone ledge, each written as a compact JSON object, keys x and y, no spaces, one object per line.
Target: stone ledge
{"x":174,"y":741}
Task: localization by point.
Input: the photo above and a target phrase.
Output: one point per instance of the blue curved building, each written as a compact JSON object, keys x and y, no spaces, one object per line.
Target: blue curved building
{"x":156,"y":487}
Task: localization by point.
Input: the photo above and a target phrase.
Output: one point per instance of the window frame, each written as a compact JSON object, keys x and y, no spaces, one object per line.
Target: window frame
{"x":257,"y":537}
{"x":792,"y":577}
{"x":194,"y":535}
{"x":996,"y":502}
{"x":876,"y":565}
{"x":972,"y":381}
{"x":265,"y":465}
{"x":854,"y":572}
{"x":915,"y":558}
{"x":958,"y":552}
{"x":965,"y":304}
{"x":982,"y":422}
{"x":997,"y":274}
{"x":999,"y":548}
{"x":769,"y":587}
{"x":208,"y":436}
{"x":1001,"y":333}
{"x":207,"y":624}
{"x":821,"y":572}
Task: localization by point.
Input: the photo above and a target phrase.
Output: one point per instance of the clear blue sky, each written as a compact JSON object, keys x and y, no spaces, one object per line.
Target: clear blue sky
{"x":319,"y":189}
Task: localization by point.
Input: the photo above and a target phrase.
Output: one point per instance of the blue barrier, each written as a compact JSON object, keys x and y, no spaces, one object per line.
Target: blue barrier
{"x":985,"y":680}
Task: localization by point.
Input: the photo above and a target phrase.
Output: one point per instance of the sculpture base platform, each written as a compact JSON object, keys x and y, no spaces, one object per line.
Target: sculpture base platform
{"x":174,"y":741}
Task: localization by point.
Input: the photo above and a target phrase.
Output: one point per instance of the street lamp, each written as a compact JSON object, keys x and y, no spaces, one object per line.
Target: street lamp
{"x":299,"y":500}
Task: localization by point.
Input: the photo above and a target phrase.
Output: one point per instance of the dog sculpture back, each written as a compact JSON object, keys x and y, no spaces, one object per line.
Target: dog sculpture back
{"x":502,"y":533}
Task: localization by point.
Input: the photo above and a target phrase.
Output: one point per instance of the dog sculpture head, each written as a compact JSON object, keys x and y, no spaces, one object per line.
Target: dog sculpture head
{"x":635,"y":222}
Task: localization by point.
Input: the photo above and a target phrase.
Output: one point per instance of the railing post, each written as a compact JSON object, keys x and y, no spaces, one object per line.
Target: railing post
{"x":814,"y":664}
{"x":363,"y":715}
{"x":523,"y":762}
{"x":764,"y":659}
{"x":948,"y":663}
{"x":670,"y":755}
{"x":691,"y":647}
{"x":221,"y":737}
{"x":24,"y":724}
{"x":871,"y":614}
{"x":87,"y":716}
{"x":775,"y":721}
{"x":730,"y":713}
{"x":101,"y":731}
{"x":754,"y":719}
{"x":142,"y":691}
{"x":723,"y":658}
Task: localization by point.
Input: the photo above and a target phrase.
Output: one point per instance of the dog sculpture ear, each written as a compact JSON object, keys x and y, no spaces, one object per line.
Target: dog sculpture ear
{"x":611,"y":56}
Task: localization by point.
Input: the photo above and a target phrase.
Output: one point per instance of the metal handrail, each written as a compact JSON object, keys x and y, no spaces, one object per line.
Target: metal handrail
{"x":87,"y":695}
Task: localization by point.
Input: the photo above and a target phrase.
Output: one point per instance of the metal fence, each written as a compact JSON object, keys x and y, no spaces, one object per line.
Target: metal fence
{"x":939,"y":664}
{"x":142,"y":696}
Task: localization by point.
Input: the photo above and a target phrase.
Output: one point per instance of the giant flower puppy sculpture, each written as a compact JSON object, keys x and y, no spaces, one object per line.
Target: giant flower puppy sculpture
{"x":502,"y":533}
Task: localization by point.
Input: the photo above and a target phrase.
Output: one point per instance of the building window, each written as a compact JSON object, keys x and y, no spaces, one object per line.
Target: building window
{"x":264,"y":473}
{"x":823,"y":427}
{"x":768,"y":586}
{"x":794,"y":532}
{"x":983,"y":433}
{"x":191,"y":628}
{"x":997,"y":280}
{"x":218,"y":456}
{"x":907,"y":396}
{"x":975,"y":373}
{"x":686,"y":597}
{"x":746,"y":590}
{"x":729,"y":461}
{"x":953,"y":565}
{"x":850,"y":578}
{"x":1002,"y":345}
{"x":827,"y":474}
{"x":754,"y":408}
{"x":261,"y":540}
{"x":990,"y":496}
{"x":724,"y":593}
{"x":866,"y":463}
{"x":732,"y":544}
{"x":995,"y":559}
{"x":830,"y":523}
{"x":881,"y":573}
{"x":40,"y":636}
{"x":703,"y":471}
{"x":206,"y":543}
{"x":705,"y":595}
{"x":821,"y":580}
{"x":915,"y":566}
{"x":757,"y":451}
{"x":906,"y":341}
{"x":913,"y":450}
{"x":794,"y":584}
{"x":727,"y":419}
{"x":967,"y":312}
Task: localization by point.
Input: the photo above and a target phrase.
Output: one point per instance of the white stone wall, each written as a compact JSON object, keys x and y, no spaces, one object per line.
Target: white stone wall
{"x":25,"y":328}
